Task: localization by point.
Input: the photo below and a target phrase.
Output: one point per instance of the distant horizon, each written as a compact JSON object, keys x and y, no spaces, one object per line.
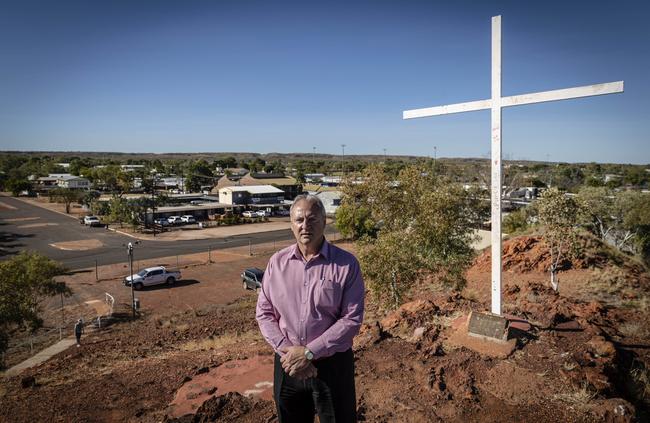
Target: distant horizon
{"x":337,"y":156}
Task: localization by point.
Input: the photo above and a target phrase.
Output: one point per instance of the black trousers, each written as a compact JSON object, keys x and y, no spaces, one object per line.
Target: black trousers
{"x":331,"y":394}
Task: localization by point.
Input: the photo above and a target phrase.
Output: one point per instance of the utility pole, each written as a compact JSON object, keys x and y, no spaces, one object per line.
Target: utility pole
{"x":153,"y":205}
{"x":129,"y":250}
{"x":313,"y":155}
{"x":435,"y":153}
{"x":384,"y":155}
{"x":343,"y":157}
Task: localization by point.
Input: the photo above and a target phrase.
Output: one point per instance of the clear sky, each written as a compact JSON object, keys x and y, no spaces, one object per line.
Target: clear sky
{"x":278,"y":76}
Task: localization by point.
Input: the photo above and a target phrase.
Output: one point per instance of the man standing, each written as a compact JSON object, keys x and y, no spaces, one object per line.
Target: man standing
{"x":78,"y":330}
{"x":309,"y":309}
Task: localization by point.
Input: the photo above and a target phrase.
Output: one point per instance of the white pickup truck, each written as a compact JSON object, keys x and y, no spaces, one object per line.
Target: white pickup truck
{"x":152,"y":276}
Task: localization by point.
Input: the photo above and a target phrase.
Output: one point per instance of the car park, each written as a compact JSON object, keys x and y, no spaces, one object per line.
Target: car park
{"x":152,"y":276}
{"x":174,"y":220}
{"x":252,"y":278}
{"x":188,"y":218}
{"x":92,"y":221}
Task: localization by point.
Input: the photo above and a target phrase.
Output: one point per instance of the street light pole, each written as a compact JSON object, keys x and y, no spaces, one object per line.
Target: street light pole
{"x":343,"y":157}
{"x":129,"y":249}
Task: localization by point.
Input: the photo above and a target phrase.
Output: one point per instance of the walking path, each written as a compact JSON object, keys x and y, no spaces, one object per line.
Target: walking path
{"x":41,"y":356}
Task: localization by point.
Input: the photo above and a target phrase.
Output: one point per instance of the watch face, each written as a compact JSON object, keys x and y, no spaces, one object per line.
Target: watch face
{"x":309,"y":355}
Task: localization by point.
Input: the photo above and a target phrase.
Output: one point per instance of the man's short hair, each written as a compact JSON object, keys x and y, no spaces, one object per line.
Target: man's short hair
{"x":311,"y":199}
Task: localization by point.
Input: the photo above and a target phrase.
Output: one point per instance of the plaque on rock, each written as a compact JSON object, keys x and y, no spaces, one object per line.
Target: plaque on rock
{"x":488,"y":325}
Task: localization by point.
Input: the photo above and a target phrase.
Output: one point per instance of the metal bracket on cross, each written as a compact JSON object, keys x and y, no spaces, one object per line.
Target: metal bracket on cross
{"x":495,"y":104}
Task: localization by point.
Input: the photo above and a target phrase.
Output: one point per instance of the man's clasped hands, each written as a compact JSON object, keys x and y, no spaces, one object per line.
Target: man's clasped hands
{"x":295,"y":363}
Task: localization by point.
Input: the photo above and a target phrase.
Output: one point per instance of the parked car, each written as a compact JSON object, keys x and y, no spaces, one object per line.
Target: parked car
{"x":174,"y":220}
{"x":282,"y":212}
{"x":152,"y":276}
{"x":249,"y":213}
{"x":161,"y":221}
{"x":92,"y":221}
{"x":262,"y":213}
{"x":188,"y":218}
{"x":252,"y":278}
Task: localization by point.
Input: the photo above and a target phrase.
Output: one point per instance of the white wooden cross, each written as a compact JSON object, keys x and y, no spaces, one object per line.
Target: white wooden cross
{"x":495,"y":104}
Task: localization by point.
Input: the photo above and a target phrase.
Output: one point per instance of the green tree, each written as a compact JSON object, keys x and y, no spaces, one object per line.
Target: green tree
{"x":16,"y":186}
{"x":559,"y":214}
{"x":198,"y":173}
{"x":355,"y":222}
{"x":25,"y":280}
{"x":425,"y":224}
{"x":67,"y":196}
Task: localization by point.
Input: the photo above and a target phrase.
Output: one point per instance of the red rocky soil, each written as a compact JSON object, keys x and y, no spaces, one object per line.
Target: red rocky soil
{"x":582,"y":361}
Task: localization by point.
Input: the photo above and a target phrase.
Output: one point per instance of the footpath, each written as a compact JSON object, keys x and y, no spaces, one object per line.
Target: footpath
{"x":41,"y":356}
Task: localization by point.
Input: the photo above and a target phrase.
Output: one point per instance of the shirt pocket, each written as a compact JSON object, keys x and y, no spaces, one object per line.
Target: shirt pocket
{"x":328,"y":295}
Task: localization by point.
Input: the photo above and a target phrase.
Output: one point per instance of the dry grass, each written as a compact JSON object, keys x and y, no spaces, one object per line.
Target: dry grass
{"x":578,"y":399}
{"x":471,"y":294}
{"x":217,"y":342}
{"x":634,"y":330}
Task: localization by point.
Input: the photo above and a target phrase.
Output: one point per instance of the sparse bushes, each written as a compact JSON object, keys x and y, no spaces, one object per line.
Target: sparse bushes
{"x":423,"y":225}
{"x":24,"y":280}
{"x":559,"y":214}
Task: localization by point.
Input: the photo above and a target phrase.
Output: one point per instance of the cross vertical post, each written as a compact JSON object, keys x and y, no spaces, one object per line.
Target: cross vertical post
{"x":496,"y":165}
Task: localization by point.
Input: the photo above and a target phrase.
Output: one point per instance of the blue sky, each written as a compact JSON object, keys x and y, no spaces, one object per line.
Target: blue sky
{"x":278,"y":76}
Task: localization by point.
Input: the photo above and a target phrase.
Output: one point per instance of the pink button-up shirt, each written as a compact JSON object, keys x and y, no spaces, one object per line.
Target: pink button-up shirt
{"x":317,"y":304}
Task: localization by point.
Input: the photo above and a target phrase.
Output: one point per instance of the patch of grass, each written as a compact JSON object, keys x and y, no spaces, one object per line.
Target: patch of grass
{"x":470,"y":294}
{"x":579,"y":398}
{"x":634,"y":329}
{"x":225,"y":340}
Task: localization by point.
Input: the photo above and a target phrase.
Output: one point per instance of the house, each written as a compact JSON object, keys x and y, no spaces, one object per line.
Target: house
{"x":252,"y":195}
{"x":73,"y":182}
{"x":287,"y":184}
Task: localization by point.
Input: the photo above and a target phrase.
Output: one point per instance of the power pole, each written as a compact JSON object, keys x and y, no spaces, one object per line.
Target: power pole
{"x":343,"y":158}
{"x":153,"y":205}
{"x":129,"y":250}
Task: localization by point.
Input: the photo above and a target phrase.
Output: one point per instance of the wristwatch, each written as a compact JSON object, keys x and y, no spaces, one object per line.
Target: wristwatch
{"x":309,"y":355}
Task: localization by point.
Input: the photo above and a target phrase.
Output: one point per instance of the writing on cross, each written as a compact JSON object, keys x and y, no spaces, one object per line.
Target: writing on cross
{"x":495,"y":104}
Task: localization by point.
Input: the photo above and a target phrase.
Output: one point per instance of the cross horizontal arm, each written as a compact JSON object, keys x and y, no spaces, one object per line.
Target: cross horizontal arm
{"x":519,"y":100}
{"x":563,"y":94}
{"x":448,"y":109}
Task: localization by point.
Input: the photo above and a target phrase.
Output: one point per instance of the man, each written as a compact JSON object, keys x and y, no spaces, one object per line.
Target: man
{"x":78,"y":330}
{"x":309,"y":309}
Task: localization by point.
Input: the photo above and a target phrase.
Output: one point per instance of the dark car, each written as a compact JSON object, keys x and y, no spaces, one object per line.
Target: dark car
{"x":252,"y":278}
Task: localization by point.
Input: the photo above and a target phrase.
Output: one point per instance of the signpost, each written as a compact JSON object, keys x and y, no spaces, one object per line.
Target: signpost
{"x":495,"y":104}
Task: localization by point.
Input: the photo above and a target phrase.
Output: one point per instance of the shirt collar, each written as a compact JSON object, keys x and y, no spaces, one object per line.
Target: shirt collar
{"x":324,"y":251}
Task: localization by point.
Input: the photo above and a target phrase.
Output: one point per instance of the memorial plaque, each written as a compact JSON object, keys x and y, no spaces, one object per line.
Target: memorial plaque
{"x":488,"y":325}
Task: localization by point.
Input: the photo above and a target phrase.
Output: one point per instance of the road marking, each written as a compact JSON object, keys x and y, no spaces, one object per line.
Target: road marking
{"x":37,"y":225}
{"x":81,"y":245}
{"x":21,"y":219}
{"x":6,"y":206}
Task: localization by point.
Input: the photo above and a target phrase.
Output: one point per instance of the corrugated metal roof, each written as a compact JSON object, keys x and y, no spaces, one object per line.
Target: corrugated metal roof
{"x":255,"y":189}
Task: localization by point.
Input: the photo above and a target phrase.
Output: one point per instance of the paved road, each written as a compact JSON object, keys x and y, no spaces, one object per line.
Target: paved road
{"x":27,"y":227}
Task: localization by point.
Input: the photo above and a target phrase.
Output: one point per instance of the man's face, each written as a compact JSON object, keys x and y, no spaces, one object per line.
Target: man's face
{"x":307,"y":223}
